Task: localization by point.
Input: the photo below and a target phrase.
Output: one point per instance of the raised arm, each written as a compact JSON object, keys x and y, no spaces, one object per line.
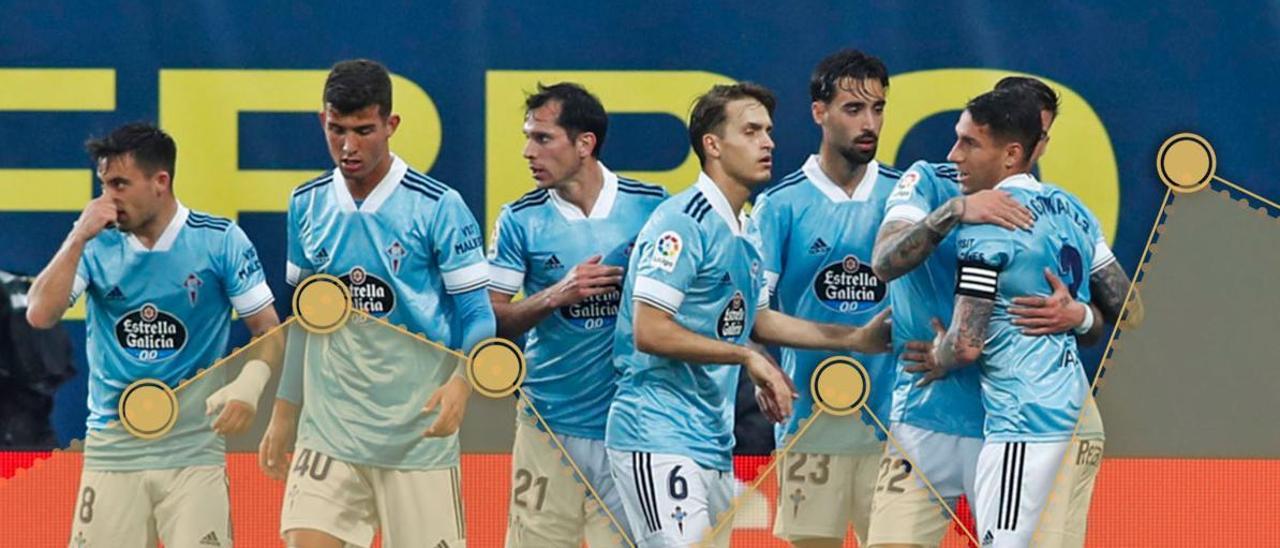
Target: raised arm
{"x":901,"y":245}
{"x":55,"y":287}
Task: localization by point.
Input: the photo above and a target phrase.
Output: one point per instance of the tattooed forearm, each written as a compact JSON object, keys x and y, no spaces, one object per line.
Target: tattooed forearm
{"x":964,"y":341}
{"x":1110,"y":286}
{"x":902,"y":246}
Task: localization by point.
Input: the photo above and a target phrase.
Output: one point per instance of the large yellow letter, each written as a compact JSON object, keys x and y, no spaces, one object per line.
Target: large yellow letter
{"x":57,"y":90}
{"x":1080,"y":158}
{"x":200,"y":109}
{"x":667,"y":92}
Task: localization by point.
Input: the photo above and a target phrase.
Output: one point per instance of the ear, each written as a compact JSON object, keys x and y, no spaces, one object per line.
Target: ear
{"x":393,"y":122}
{"x":819,"y":110}
{"x":585,"y":143}
{"x":1014,"y":155}
{"x":164,"y":180}
{"x":710,"y":145}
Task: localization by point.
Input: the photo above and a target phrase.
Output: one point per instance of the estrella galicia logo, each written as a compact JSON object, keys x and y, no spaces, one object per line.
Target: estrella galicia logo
{"x":848,"y":286}
{"x":733,"y":319}
{"x":150,"y":334}
{"x":595,"y":312}
{"x":369,"y":293}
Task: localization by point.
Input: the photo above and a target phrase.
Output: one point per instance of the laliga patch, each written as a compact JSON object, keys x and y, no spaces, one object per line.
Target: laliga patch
{"x":906,"y":186}
{"x":666,"y":251}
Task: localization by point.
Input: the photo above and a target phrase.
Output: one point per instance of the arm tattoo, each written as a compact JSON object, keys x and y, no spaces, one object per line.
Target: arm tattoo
{"x":1110,"y":286}
{"x":902,"y":246}
{"x":964,"y":341}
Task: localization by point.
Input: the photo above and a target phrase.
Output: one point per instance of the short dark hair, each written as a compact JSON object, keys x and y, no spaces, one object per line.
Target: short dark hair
{"x":709,"y":114}
{"x":355,"y":84}
{"x":152,"y":149}
{"x":580,"y":111}
{"x":1012,"y":116}
{"x":846,"y":63}
{"x":1043,"y":94}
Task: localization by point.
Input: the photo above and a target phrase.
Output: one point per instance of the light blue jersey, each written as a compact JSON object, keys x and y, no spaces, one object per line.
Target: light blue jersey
{"x":952,"y":404}
{"x":403,"y":251}
{"x":163,"y":313}
{"x":817,"y":247}
{"x":538,"y":240}
{"x":694,"y":260}
{"x":1032,"y":386}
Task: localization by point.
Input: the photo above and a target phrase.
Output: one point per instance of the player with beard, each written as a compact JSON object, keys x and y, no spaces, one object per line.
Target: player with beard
{"x":818,"y":226}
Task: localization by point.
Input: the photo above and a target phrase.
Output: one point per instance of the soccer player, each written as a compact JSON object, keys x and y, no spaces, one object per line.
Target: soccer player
{"x":161,"y":281}
{"x":1033,"y":388}
{"x":370,"y":457}
{"x":1065,"y":518}
{"x":564,"y":244}
{"x":694,"y":293}
{"x":937,"y":418}
{"x":818,"y":227}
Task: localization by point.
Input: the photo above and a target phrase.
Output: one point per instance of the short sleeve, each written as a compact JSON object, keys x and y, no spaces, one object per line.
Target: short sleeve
{"x":458,"y":246}
{"x":1102,"y":254}
{"x":775,"y":232}
{"x":671,"y":248}
{"x":911,"y":200}
{"x":298,"y":267}
{"x":507,"y":254}
{"x":242,"y":274}
{"x":984,"y":252}
{"x":81,"y":282}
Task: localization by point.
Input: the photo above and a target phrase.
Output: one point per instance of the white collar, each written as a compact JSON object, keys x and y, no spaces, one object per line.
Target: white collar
{"x":380,"y":193}
{"x":1021,"y":180}
{"x":166,"y":239}
{"x":719,"y":203}
{"x":604,"y":202}
{"x":813,"y":171}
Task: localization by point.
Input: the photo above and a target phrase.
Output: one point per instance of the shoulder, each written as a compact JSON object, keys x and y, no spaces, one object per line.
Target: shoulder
{"x":199,"y":220}
{"x":888,"y":172}
{"x":932,"y":171}
{"x":427,"y":187}
{"x":787,"y":186}
{"x":529,"y":202}
{"x":641,"y":190}
{"x":310,"y":186}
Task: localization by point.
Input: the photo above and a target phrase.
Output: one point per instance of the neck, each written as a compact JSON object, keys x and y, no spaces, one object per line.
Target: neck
{"x":360,"y":188}
{"x":151,"y":231}
{"x":844,"y":174}
{"x":735,"y":191}
{"x":583,"y":189}
{"x":1012,"y":173}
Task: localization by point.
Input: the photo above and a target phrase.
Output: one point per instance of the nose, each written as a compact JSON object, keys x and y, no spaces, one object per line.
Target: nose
{"x":768,"y":142}
{"x":349,"y":142}
{"x":528,"y":149}
{"x":954,"y":156}
{"x":867,"y":121}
